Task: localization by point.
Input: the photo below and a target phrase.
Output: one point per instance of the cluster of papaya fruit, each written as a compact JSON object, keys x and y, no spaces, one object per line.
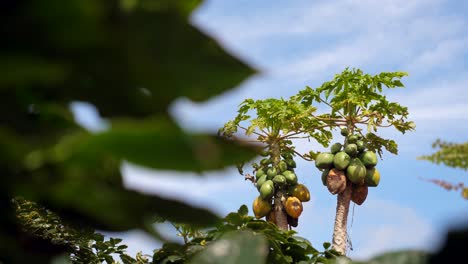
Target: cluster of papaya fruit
{"x":270,"y":179}
{"x":352,"y":162}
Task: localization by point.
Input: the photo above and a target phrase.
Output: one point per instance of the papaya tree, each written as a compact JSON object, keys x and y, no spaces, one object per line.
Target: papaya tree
{"x":358,"y":107}
{"x":274,"y":123}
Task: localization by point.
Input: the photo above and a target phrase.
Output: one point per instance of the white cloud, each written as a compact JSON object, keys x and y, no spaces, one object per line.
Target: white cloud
{"x":381,"y":226}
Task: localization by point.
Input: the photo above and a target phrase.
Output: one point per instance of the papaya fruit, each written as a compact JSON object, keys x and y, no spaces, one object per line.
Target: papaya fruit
{"x":259,"y":174}
{"x":324,"y":177}
{"x":361,"y":145}
{"x":336,"y":181}
{"x":301,"y":192}
{"x":267,"y":189}
{"x":260,"y":181}
{"x":279,"y":180}
{"x":341,"y":160}
{"x":352,"y":139}
{"x":291,"y":177}
{"x":264,"y":153}
{"x":359,"y":194}
{"x":372,"y":177}
{"x":324,"y":160}
{"x":335,"y":148}
{"x":265,"y":161}
{"x":271,"y":172}
{"x":351,"y":149}
{"x":282,"y":166}
{"x":344,"y":132}
{"x":368,"y":158}
{"x":291,"y":163}
{"x":356,"y":171}
{"x":286,"y":155}
{"x":293,"y":207}
{"x":271,"y":217}
{"x":294,"y":222}
{"x":261,"y":207}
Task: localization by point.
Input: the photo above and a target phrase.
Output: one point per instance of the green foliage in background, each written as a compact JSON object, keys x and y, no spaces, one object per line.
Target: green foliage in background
{"x":130,"y":59}
{"x":452,"y":155}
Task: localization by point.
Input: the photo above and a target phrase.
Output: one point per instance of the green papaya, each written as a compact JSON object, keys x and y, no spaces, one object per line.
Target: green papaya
{"x":352,"y":139}
{"x":368,"y":158}
{"x":344,"y":132}
{"x":291,"y":163}
{"x":261,"y":181}
{"x":265,"y":161}
{"x":361,"y":145}
{"x":291,"y":178}
{"x":341,"y":160}
{"x":356,"y":171}
{"x":259,"y":174}
{"x":324,"y":160}
{"x":271,"y":172}
{"x":372,"y":177}
{"x":351,"y":149}
{"x":279,"y":180}
{"x":267,"y":189}
{"x":286,"y":155}
{"x":335,"y":148}
{"x":282,"y":166}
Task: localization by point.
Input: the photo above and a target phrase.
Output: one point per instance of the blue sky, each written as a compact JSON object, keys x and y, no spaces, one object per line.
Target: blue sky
{"x":298,"y":43}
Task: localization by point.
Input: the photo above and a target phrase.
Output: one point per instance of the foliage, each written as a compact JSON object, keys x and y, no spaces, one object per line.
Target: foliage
{"x":130,"y":60}
{"x":275,"y":245}
{"x":355,"y":99}
{"x":451,"y":155}
{"x":82,"y":243}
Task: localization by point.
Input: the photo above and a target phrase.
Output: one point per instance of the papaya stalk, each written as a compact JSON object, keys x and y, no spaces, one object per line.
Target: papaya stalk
{"x":339,"y":242}
{"x":280,"y":214}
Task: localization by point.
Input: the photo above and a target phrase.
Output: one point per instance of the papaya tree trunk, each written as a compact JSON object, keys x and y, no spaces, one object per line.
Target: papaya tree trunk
{"x":339,"y":242}
{"x":281,"y":218}
{"x":341,"y":220}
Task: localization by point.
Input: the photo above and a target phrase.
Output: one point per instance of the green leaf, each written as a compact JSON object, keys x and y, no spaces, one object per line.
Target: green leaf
{"x":157,"y":144}
{"x":243,"y":210}
{"x":235,"y":248}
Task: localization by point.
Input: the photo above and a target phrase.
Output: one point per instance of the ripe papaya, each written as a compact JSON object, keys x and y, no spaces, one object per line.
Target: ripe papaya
{"x":372,"y":177}
{"x":351,"y":149}
{"x":282,"y":166}
{"x":261,"y":207}
{"x":301,"y":192}
{"x":271,"y":172}
{"x":359,"y":194}
{"x":361,"y":145}
{"x":356,"y":171}
{"x":324,"y":177}
{"x":279,"y":180}
{"x":341,"y":160}
{"x":344,"y":131}
{"x":324,"y":160}
{"x":336,"y":181}
{"x":293,"y":207}
{"x":335,"y":148}
{"x":260,"y":181}
{"x":368,"y":158}
{"x":267,"y":189}
{"x":291,"y":177}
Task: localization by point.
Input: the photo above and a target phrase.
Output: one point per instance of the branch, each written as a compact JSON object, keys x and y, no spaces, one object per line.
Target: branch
{"x":258,"y":134}
{"x":249,"y":177}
